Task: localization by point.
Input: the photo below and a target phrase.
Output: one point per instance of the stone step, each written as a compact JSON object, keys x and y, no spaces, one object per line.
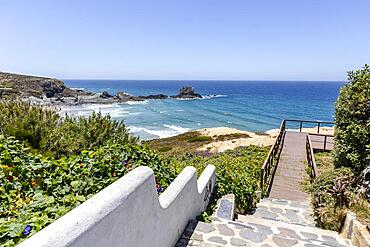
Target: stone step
{"x":282,"y":210}
{"x":287,"y":215}
{"x":306,"y":233}
{"x":281,"y":203}
{"x":261,"y":233}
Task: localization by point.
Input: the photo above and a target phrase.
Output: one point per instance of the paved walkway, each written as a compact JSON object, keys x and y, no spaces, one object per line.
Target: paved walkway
{"x":276,"y":223}
{"x":291,"y":169}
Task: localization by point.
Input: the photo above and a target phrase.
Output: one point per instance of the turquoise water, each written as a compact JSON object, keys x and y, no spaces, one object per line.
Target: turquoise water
{"x":246,"y":105}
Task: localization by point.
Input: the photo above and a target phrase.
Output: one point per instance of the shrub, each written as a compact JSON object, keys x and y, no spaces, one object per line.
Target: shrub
{"x":164,"y":149}
{"x":352,"y":119}
{"x":237,"y":171}
{"x":27,"y":122}
{"x":74,"y":134}
{"x":43,"y":129}
{"x":35,"y":190}
{"x":188,"y":142}
{"x":200,"y":139}
{"x":331,"y":195}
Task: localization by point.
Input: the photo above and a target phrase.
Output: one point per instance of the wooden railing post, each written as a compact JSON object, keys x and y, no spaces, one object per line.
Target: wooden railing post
{"x":311,"y":158}
{"x":318,"y":127}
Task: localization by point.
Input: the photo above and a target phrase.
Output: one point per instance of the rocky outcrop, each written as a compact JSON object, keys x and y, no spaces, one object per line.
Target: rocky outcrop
{"x":49,"y":91}
{"x":187,"y":93}
{"x":27,"y":86}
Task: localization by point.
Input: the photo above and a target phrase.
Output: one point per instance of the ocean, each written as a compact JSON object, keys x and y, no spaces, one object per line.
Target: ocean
{"x":246,"y":105}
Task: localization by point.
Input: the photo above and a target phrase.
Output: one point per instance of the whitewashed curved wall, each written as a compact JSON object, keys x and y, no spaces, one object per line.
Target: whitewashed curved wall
{"x":129,"y":212}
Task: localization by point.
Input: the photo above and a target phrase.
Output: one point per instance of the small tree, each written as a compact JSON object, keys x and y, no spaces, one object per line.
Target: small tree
{"x":352,"y":119}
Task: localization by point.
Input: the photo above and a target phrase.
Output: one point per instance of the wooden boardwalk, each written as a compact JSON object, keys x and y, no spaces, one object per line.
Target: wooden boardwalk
{"x":291,"y":169}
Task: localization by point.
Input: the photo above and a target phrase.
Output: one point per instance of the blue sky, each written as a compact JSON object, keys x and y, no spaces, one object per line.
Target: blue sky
{"x":189,"y":39}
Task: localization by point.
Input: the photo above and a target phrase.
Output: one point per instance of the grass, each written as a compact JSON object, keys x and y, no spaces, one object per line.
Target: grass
{"x":231,"y":136}
{"x":188,"y":142}
{"x":324,"y":162}
{"x":200,"y":139}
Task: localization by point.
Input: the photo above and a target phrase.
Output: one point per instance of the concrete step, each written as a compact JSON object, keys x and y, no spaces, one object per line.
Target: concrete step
{"x":309,"y":234}
{"x":261,"y":233}
{"x":293,"y":212}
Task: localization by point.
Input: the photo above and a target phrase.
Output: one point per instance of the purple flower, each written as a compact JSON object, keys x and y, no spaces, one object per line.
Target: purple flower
{"x":159,"y":188}
{"x":27,"y":230}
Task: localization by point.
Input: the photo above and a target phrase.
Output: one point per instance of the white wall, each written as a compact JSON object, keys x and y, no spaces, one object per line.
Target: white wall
{"x":129,"y":212}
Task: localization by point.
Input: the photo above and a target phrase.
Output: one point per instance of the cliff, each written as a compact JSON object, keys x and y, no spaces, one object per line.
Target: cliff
{"x":26,"y":86}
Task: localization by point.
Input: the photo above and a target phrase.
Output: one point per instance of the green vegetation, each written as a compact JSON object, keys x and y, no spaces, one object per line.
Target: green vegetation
{"x":237,"y":171}
{"x":50,"y":164}
{"x":46,"y":131}
{"x":352,"y":120}
{"x":200,"y":139}
{"x":36,"y":190}
{"x":232,"y":136}
{"x":334,"y":193}
{"x":337,"y":188}
{"x":188,"y":142}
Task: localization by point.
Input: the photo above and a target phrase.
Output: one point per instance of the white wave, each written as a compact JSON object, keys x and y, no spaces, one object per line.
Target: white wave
{"x":114,"y":110}
{"x":77,"y":88}
{"x":213,"y":96}
{"x":177,"y":128}
{"x":180,"y":110}
{"x":134,"y":113}
{"x":171,"y":130}
{"x":136,"y":102}
{"x":158,"y":133}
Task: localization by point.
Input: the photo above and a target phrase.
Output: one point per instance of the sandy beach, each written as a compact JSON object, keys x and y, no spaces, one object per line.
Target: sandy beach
{"x":259,"y":139}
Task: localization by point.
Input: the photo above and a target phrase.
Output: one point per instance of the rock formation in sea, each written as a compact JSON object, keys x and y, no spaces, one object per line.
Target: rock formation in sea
{"x":187,"y":93}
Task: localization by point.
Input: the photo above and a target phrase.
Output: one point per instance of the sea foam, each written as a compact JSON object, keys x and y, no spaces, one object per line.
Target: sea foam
{"x":168,"y":131}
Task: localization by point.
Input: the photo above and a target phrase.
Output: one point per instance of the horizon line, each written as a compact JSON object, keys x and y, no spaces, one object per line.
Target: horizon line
{"x":216,"y":80}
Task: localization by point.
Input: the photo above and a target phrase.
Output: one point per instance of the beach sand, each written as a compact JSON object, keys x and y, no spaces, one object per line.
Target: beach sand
{"x":259,"y":139}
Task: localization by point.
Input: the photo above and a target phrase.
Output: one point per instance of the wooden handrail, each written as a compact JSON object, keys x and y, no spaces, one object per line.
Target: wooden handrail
{"x":271,"y":160}
{"x":311,"y":158}
{"x":309,"y":121}
{"x":315,"y":134}
{"x":319,"y":123}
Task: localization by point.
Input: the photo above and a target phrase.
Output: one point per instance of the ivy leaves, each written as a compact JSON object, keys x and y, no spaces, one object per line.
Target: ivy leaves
{"x":36,"y":191}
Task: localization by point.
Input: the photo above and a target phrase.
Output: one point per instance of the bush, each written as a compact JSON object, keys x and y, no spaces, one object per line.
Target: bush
{"x":331,"y":195}
{"x":43,"y":129}
{"x":35,"y":190}
{"x":200,"y":139}
{"x":352,"y":122}
{"x":27,"y":122}
{"x":237,"y":171}
{"x":74,"y":134}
